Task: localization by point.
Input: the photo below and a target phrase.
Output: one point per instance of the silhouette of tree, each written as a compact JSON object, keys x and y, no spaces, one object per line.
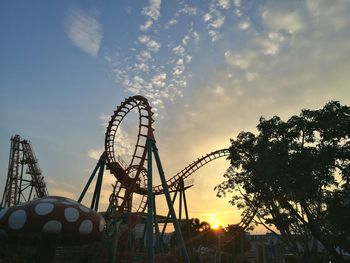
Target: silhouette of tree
{"x":195,"y":232}
{"x":297,"y":173}
{"x":338,"y":215}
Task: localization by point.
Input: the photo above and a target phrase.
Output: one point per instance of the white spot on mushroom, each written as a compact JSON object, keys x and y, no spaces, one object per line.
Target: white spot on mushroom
{"x":17,"y":219}
{"x":71,"y":214}
{"x":43,"y":208}
{"x":85,"y":227}
{"x":3,"y":233}
{"x":3,"y":212}
{"x":84,"y":209}
{"x":102,"y":224}
{"x":52,"y":227}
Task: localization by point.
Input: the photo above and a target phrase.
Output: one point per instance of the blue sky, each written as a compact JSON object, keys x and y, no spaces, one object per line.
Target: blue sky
{"x":209,"y":68}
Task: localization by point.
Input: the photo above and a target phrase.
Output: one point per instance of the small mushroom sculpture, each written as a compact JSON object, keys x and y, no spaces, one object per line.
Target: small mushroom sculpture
{"x":53,"y":218}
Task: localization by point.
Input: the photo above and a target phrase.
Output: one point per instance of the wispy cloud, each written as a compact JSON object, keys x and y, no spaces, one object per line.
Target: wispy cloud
{"x":171,"y":22}
{"x":218,"y":90}
{"x":150,"y":43}
{"x":104,"y":118}
{"x":146,"y":72}
{"x":60,"y":188}
{"x":147,"y":25}
{"x":123,"y":145}
{"x":225,"y":4}
{"x":158,"y":67}
{"x":214,"y":18}
{"x":188,"y":10}
{"x":279,"y":68}
{"x":95,"y":153}
{"x":241,"y":60}
{"x":289,"y":21}
{"x":152,"y":10}
{"x":84,"y":30}
{"x":244,"y":25}
{"x":62,"y":192}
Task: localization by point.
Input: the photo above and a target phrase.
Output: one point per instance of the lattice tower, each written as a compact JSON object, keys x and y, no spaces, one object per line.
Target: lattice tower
{"x":19,"y":187}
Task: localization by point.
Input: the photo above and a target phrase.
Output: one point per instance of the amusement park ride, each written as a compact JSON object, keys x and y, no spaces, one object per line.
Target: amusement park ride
{"x":131,"y":202}
{"x":19,"y":189}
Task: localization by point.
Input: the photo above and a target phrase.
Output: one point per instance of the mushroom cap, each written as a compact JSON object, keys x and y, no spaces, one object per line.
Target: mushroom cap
{"x":60,"y":218}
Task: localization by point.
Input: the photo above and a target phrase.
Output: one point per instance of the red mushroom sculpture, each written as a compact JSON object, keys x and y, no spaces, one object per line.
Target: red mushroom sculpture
{"x":60,"y":219}
{"x":68,"y":220}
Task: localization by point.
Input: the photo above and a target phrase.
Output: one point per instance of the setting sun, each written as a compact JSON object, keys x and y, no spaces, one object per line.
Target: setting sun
{"x":215,"y":226}
{"x":214,"y":221}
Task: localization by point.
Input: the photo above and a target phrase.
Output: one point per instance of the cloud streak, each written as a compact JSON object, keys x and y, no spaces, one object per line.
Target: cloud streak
{"x":146,"y":72}
{"x":84,"y":31}
{"x":152,"y":10}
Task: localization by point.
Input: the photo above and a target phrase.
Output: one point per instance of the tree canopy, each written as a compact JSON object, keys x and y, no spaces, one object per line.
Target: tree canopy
{"x":297,"y":174}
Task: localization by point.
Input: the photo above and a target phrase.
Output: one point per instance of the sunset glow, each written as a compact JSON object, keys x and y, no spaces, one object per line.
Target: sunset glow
{"x":215,"y":226}
{"x":214,"y":221}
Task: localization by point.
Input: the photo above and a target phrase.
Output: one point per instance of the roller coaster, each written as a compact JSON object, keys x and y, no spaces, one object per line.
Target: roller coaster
{"x":134,"y":179}
{"x":18,"y":187}
{"x":132,"y":199}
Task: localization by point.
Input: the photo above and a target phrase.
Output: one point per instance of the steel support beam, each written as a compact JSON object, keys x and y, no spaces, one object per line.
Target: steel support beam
{"x":170,"y":205}
{"x":150,"y":254}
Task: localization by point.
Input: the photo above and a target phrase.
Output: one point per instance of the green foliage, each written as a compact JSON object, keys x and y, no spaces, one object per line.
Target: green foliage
{"x":297,"y":173}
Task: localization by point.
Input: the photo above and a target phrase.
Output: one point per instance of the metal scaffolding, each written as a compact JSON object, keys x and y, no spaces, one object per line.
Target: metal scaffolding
{"x":19,"y":187}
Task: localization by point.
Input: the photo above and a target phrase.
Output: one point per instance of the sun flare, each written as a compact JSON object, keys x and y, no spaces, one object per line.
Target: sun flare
{"x":214,"y":221}
{"x":215,"y":226}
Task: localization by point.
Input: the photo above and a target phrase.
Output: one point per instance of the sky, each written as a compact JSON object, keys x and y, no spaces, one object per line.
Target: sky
{"x":209,"y":69}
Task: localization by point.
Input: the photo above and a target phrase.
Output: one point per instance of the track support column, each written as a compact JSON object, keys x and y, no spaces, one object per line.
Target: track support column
{"x":150,"y":254}
{"x":96,"y":196}
{"x":169,"y":202}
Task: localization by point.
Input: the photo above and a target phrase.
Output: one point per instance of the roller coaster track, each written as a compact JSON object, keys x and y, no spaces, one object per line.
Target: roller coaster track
{"x":21,"y":153}
{"x":190,"y":169}
{"x":34,"y":170}
{"x":131,"y":177}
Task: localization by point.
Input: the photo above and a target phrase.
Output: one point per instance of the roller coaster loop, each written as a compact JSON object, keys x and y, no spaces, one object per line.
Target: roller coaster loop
{"x":135,"y":177}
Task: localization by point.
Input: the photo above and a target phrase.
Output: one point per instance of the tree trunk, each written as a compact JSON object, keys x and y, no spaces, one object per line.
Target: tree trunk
{"x":317,"y":233}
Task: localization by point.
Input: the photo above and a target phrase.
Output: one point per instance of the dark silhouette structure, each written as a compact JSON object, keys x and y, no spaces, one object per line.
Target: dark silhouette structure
{"x":19,"y":186}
